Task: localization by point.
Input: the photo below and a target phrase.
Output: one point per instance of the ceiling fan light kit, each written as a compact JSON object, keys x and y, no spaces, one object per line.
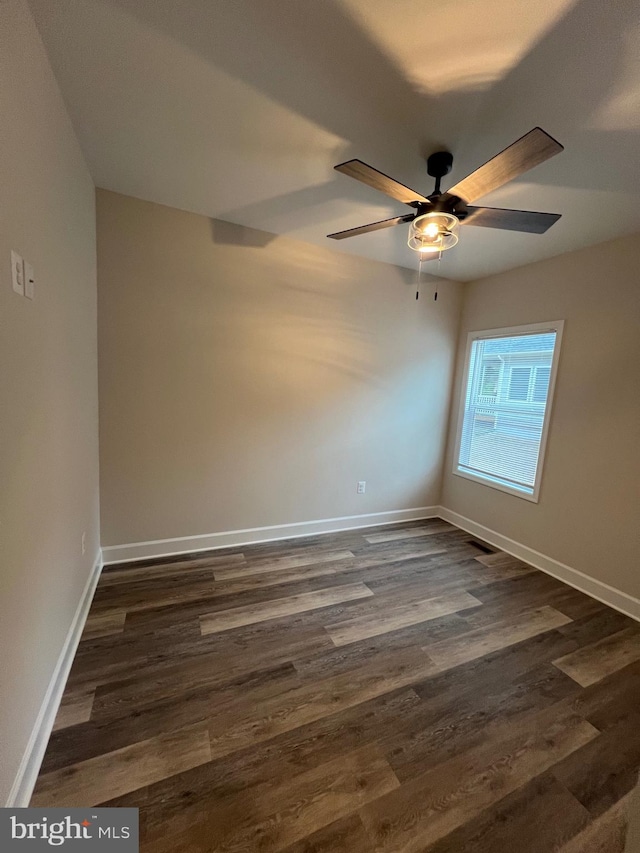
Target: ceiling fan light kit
{"x":433,"y":232}
{"x":434,"y":225}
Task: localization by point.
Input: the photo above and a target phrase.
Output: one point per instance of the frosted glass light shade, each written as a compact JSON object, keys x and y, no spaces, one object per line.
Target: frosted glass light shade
{"x":433,"y":232}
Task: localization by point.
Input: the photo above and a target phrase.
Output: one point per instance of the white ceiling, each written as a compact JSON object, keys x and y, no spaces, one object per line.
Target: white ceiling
{"x":239,"y":109}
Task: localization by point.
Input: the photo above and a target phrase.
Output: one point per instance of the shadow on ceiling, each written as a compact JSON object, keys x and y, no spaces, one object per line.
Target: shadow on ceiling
{"x":566,"y":77}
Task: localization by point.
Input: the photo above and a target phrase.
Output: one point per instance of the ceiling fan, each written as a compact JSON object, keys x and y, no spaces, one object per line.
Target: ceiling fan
{"x":435,"y":221}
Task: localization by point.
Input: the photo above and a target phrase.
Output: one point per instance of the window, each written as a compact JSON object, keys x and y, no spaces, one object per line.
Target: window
{"x":490,"y":379}
{"x":519,"y":383}
{"x":506,"y":405}
{"x":541,"y":384}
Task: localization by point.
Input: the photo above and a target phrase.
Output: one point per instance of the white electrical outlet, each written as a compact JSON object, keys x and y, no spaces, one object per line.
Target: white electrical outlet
{"x":29,"y":281}
{"x":362,"y":485}
{"x":17,"y":273}
{"x":84,"y":542}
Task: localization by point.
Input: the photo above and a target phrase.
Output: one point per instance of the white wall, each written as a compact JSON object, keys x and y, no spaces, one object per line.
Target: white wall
{"x":587,"y":516}
{"x":48,"y":382}
{"x":249,"y":381}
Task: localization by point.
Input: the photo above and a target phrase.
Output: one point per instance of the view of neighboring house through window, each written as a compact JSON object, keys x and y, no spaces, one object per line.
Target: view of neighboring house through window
{"x":506,"y":406}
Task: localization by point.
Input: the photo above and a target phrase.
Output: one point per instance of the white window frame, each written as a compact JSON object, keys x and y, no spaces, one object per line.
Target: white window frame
{"x":556,"y":326}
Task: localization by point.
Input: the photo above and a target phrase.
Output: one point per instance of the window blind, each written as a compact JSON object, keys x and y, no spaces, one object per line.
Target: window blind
{"x":505,"y":406}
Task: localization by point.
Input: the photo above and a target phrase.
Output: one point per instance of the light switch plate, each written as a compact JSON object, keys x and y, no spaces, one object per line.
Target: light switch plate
{"x":29,"y":281}
{"x":17,"y":273}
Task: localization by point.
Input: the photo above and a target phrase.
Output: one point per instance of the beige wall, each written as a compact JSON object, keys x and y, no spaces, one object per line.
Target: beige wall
{"x":48,"y":382}
{"x":249,"y":381}
{"x":587,"y":516}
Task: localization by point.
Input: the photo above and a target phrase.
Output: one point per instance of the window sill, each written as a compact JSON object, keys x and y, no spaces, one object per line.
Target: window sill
{"x":501,"y":485}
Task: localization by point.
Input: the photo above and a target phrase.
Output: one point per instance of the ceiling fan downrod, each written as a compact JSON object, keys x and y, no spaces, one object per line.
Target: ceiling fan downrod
{"x":439,"y":164}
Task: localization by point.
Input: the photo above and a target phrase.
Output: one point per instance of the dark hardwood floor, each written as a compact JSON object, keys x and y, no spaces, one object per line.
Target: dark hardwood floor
{"x":388,"y":689}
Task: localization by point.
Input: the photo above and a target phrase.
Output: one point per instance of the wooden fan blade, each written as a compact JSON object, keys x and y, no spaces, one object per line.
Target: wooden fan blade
{"x":373,"y":226}
{"x":533,"y":148}
{"x":510,"y":220}
{"x":379,"y":181}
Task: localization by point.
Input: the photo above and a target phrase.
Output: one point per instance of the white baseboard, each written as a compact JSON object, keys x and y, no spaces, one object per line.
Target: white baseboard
{"x":608,"y":595}
{"x":253,"y":535}
{"x":621,"y":601}
{"x":25,"y":780}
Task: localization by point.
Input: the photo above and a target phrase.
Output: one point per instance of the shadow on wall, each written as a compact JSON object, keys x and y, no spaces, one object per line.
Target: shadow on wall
{"x":229,"y":234}
{"x":633,"y":828}
{"x":288,"y":317}
{"x":309,"y":259}
{"x":310,"y":346}
{"x":260,"y":376}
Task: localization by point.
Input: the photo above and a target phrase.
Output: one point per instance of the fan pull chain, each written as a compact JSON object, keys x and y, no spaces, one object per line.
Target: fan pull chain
{"x":435,"y":295}
{"x":420,"y":262}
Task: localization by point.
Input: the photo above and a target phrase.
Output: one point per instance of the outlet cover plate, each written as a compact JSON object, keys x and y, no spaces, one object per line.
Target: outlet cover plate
{"x":17,"y":273}
{"x":29,"y":281}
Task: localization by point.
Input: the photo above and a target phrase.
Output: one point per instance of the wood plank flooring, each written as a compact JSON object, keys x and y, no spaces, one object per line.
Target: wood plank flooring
{"x":390,"y":690}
